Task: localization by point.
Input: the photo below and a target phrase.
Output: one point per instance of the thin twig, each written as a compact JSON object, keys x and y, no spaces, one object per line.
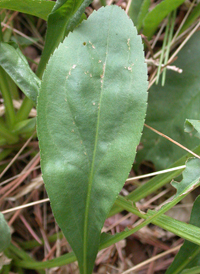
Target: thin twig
{"x":23,"y":35}
{"x":16,"y":156}
{"x":128,"y":6}
{"x":152,"y":259}
{"x":173,"y":141}
{"x":185,"y":41}
{"x":25,"y":206}
{"x":155,"y":173}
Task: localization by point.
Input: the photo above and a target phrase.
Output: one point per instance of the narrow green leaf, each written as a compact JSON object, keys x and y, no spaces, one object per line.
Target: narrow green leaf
{"x":25,"y":126}
{"x":15,"y":64}
{"x":134,"y":10}
{"x":155,"y":16}
{"x":64,"y":16}
{"x":5,"y":233}
{"x":142,"y":14}
{"x":186,"y":231}
{"x":193,"y":270}
{"x":89,"y":133}
{"x":7,"y":98}
{"x":191,"y":18}
{"x":190,"y":125}
{"x":189,"y":254}
{"x":39,"y":8}
{"x":170,"y":106}
{"x":6,"y":134}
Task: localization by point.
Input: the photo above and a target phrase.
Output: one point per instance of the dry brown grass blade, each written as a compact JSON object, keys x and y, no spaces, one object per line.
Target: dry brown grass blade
{"x":152,"y":259}
{"x":14,"y":184}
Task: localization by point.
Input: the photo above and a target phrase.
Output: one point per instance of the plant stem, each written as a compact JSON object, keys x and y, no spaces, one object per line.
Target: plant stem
{"x":24,"y":110}
{"x":9,"y":108}
{"x":5,"y":133}
{"x":4,"y":86}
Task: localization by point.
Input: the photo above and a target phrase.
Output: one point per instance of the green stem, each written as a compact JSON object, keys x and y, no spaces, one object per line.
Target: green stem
{"x":8,"y":103}
{"x":5,"y":133}
{"x":13,"y":88}
{"x":24,"y":110}
{"x":20,"y":254}
{"x":173,"y":19}
{"x":9,"y":108}
{"x":163,"y":49}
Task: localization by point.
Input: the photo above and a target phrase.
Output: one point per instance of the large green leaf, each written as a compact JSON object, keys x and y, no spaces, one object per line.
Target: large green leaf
{"x":39,"y":8}
{"x":189,"y":254}
{"x":5,"y":233}
{"x":91,"y":109}
{"x":15,"y":64}
{"x":170,"y":105}
{"x":64,"y":16}
{"x":156,"y":15}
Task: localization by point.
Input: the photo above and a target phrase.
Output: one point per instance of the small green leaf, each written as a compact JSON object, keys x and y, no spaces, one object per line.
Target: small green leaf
{"x":64,"y":16}
{"x":5,"y":233}
{"x":189,"y":254}
{"x":91,"y":110}
{"x":15,"y":64}
{"x":191,"y":178}
{"x":156,"y":15}
{"x":190,"y":125}
{"x":39,"y":8}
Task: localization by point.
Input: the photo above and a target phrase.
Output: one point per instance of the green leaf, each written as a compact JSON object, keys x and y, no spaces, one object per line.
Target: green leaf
{"x":156,"y":15}
{"x":189,"y":254}
{"x":15,"y":64}
{"x":91,"y":109}
{"x":23,"y":41}
{"x":64,"y":16}
{"x":191,"y":18}
{"x":134,"y":10}
{"x":5,"y":233}
{"x":190,"y":125}
{"x":143,"y":12}
{"x":25,"y":126}
{"x":170,"y":105}
{"x":39,"y":8}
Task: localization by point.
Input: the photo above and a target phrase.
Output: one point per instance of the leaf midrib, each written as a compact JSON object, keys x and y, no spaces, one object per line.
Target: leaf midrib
{"x":90,"y":181}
